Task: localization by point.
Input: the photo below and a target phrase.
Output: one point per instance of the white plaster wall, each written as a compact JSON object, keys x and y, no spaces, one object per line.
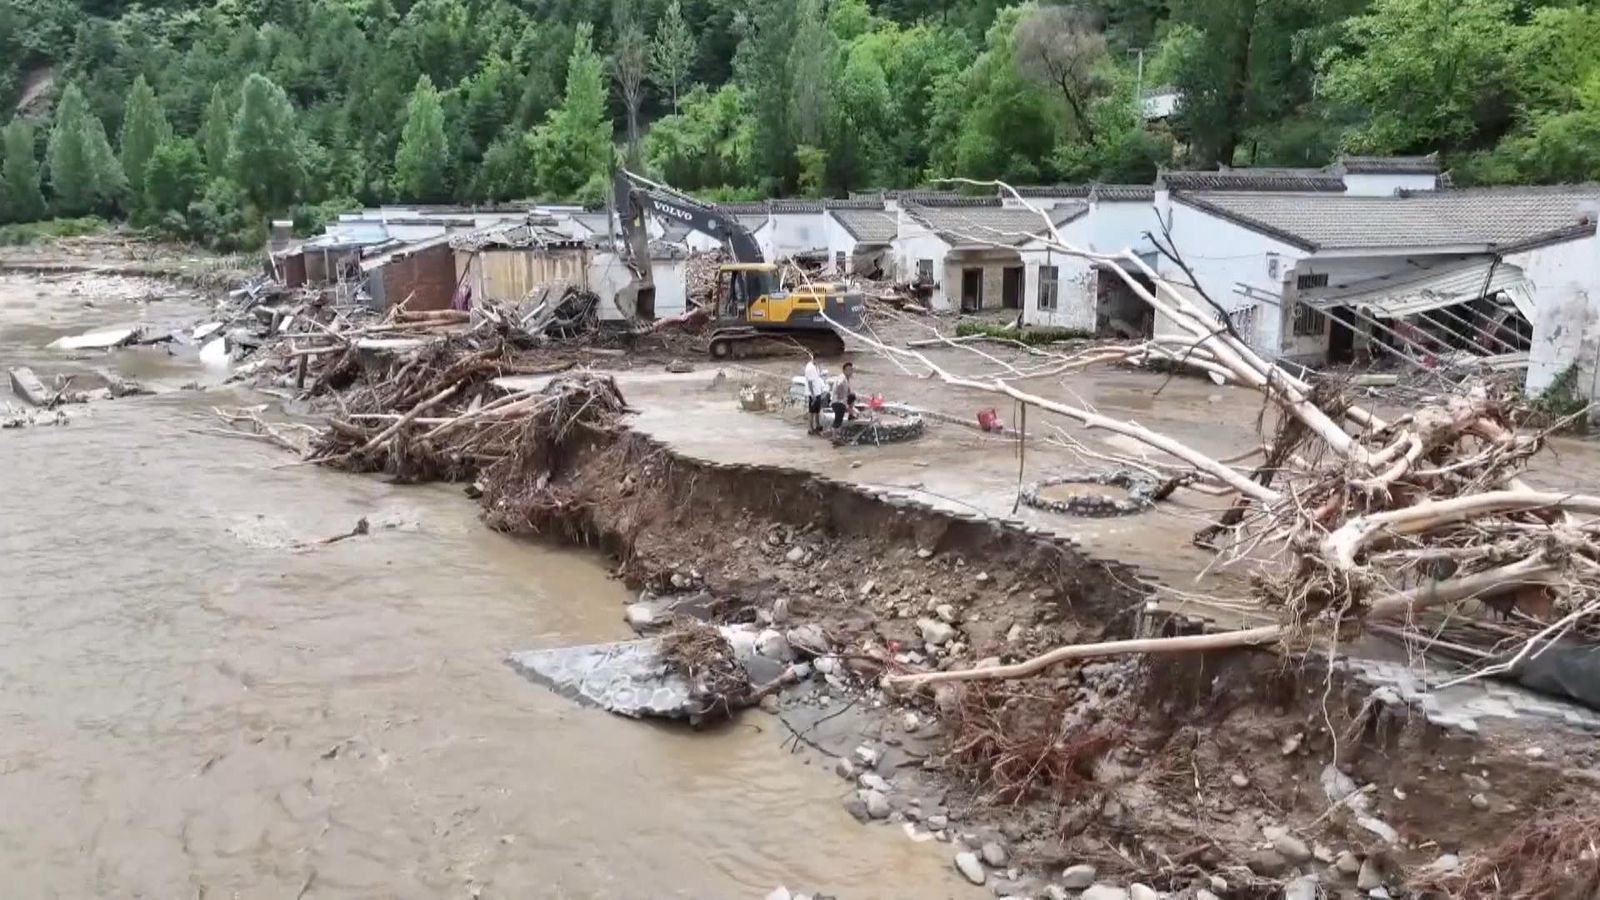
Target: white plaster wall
{"x":797,"y":232}
{"x":1223,"y":255}
{"x":1386,"y":185}
{"x":837,"y":240}
{"x":1116,"y":225}
{"x":917,"y":242}
{"x":1566,"y":324}
{"x":609,"y":277}
{"x":763,"y":236}
{"x":671,"y":286}
{"x":1075,"y":293}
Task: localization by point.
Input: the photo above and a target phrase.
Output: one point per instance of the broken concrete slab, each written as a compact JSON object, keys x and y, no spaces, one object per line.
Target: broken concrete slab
{"x":107,"y":339}
{"x":629,"y":678}
{"x":27,"y":386}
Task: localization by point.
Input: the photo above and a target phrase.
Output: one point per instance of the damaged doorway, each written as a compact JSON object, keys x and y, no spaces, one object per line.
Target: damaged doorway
{"x":971,"y":290}
{"x":1011,"y":287}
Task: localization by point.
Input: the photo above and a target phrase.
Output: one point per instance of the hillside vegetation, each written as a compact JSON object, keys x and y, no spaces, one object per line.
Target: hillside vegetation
{"x":202,"y":120}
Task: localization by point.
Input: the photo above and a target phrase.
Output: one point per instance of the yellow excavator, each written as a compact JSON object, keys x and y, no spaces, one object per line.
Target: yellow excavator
{"x":751,"y":310}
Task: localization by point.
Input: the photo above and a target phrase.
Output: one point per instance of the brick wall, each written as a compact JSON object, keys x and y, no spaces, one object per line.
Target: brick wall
{"x":428,"y":277}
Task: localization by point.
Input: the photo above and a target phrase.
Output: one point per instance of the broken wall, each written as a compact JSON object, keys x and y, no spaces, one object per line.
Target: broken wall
{"x":1566,"y":322}
{"x":508,"y":273}
{"x":1224,"y":256}
{"x":422,"y":280}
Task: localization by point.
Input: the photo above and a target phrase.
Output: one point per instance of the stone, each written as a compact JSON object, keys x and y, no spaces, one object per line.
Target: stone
{"x":1292,"y":848}
{"x":780,"y":610}
{"x":857,"y":807}
{"x":924,"y":553}
{"x":877,"y":804}
{"x":1448,"y":862}
{"x":796,"y":555}
{"x":641,"y":615}
{"x":1304,"y":888}
{"x":935,"y":632}
{"x":1014,"y":634}
{"x":1347,"y":863}
{"x":969,"y":867}
{"x":1078,"y":877}
{"x":983,"y":578}
{"x":872,"y":781}
{"x":868,"y":756}
{"x":994,"y":854}
{"x":1239,"y":780}
{"x":808,"y":638}
{"x":1267,"y":863}
{"x":1322,"y":853}
{"x":826,"y":665}
{"x":780,"y":893}
{"x":945,"y":612}
{"x":769,"y":703}
{"x":1479,"y":802}
{"x":1138,"y":891}
{"x":1055,"y":892}
{"x":843,"y":768}
{"x":1370,"y":875}
{"x":1203,"y":894}
{"x":1104,"y":892}
{"x":1534,"y":752}
{"x":938,"y":823}
{"x":1476,"y":783}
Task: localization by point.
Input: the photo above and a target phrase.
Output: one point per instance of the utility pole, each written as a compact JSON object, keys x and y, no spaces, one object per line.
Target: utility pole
{"x":1138,"y":89}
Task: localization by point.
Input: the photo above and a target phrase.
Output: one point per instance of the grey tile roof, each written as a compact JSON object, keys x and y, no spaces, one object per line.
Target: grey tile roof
{"x":1492,"y":218}
{"x":599,"y":223}
{"x":795,"y":206}
{"x":856,"y":201}
{"x":1290,"y":180}
{"x":1389,"y":165}
{"x":1102,"y":191}
{"x":869,"y":226}
{"x":982,"y":225}
{"x":744,"y":208}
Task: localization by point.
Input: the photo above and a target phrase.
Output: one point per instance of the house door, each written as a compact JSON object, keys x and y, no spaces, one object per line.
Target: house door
{"x":971,"y":290}
{"x":1011,"y":288}
{"x":1341,"y":337}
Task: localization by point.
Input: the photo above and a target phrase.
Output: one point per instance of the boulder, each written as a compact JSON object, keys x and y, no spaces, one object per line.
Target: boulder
{"x":969,"y":867}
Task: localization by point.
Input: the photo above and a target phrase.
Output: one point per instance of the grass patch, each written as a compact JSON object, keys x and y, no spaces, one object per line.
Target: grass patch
{"x":24,"y":233}
{"x":1561,"y":401}
{"x":1027,"y":335}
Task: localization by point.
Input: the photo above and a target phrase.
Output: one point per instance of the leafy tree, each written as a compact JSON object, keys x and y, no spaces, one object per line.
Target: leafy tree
{"x":144,"y":127}
{"x":762,"y":70}
{"x":84,"y":176}
{"x":1063,"y":47}
{"x":990,"y":122}
{"x":507,"y":170}
{"x":572,"y":149}
{"x":225,"y":219}
{"x":1425,"y":73}
{"x":173,"y":178}
{"x":862,"y":119}
{"x":709,"y":144}
{"x":810,"y":71}
{"x":420,"y":163}
{"x":265,"y":156}
{"x":672,"y":52}
{"x":216,"y":131}
{"x":630,"y":61}
{"x":20,"y":197}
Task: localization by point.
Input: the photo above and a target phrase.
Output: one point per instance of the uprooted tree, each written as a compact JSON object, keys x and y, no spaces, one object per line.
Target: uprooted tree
{"x":1347,"y":516}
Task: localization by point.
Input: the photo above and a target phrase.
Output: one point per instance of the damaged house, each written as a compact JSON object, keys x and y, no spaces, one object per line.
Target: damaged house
{"x":1502,"y":278}
{"x":970,"y":251}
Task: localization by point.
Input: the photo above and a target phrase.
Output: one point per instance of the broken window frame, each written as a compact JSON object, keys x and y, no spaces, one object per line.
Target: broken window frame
{"x":1308,"y":321}
{"x":924,"y":271}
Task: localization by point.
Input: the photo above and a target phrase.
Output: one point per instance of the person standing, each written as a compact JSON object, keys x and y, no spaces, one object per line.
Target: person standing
{"x":816,"y":395}
{"x":843,"y":396}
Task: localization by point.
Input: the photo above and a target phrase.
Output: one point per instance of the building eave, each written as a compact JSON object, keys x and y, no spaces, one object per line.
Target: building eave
{"x":1259,"y":227}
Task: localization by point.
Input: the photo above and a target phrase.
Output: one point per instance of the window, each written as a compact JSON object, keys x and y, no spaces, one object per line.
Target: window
{"x":1048,"y":286}
{"x":1308,"y":320}
{"x":1319,"y":279}
{"x":838,"y":262}
{"x":925,"y":271}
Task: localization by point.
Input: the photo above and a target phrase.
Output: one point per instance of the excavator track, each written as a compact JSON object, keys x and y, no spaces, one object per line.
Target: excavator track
{"x":743,"y":342}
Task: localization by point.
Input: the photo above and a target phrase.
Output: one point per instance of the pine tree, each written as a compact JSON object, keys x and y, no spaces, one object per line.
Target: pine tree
{"x":20,"y":197}
{"x":672,"y":52}
{"x":265,"y":156}
{"x":144,"y":127}
{"x":216,"y":130}
{"x":573,"y":148}
{"x":174,"y":177}
{"x":84,"y":175}
{"x":422,"y":160}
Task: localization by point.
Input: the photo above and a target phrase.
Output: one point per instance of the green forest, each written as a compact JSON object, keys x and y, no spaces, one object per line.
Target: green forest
{"x":203,"y":120}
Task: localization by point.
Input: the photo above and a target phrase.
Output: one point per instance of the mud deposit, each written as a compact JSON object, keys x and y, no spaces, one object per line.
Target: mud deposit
{"x":192,"y":705}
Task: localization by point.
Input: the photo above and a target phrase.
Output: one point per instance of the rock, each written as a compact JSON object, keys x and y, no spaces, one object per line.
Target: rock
{"x":826,"y":665}
{"x":1239,"y":780}
{"x":769,"y":703}
{"x":1138,"y":891}
{"x":1219,"y":884}
{"x":872,"y":781}
{"x":796,"y":555}
{"x":1267,"y":863}
{"x":1304,"y":888}
{"x":967,"y":864}
{"x":924,"y":553}
{"x":994,"y":854}
{"x":773,"y":645}
{"x":808,"y":638}
{"x":1104,"y":892}
{"x":1203,"y":894}
{"x":1534,"y":752}
{"x":1479,"y":802}
{"x":1322,"y":853}
{"x":877,"y":804}
{"x":1014,"y":634}
{"x":1292,"y":743}
{"x":780,"y":610}
{"x":857,"y":807}
{"x":1370,"y":875}
{"x":1055,"y":892}
{"x":27,"y":386}
{"x":935,"y":632}
{"x":1449,"y":862}
{"x":843,"y":768}
{"x":1378,"y":893}
{"x":1078,"y":877}
{"x":1347,"y":864}
{"x":641,"y":615}
{"x":868,"y":756}
{"x":1292,"y":848}
{"x":1476,"y":783}
{"x":780,"y":893}
{"x":982,"y":578}
{"x":946,"y":613}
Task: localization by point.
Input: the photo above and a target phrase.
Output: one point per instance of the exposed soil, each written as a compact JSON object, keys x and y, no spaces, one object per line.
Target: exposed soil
{"x":1169,"y":769}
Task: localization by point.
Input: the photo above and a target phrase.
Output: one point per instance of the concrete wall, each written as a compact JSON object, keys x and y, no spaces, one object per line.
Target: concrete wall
{"x":1386,"y":185}
{"x":1116,"y":225}
{"x":837,"y":240}
{"x":1566,"y":324}
{"x":797,"y":233}
{"x":671,"y":287}
{"x":509,"y":274}
{"x":610,"y":278}
{"x":992,"y":262}
{"x":1222,"y":256}
{"x":1075,"y":290}
{"x":917,"y":242}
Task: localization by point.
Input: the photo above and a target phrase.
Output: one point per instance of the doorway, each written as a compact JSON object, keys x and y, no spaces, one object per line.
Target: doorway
{"x":971,"y":290}
{"x":1011,"y":287}
{"x":1341,"y":337}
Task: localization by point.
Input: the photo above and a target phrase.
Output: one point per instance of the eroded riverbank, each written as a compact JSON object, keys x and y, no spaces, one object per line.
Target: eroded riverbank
{"x":192,"y":706}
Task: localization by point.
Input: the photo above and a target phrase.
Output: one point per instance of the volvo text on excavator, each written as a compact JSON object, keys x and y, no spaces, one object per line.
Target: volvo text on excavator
{"x":751,"y":310}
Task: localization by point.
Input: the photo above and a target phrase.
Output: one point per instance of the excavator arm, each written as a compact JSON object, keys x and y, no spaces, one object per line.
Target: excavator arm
{"x":636,"y":195}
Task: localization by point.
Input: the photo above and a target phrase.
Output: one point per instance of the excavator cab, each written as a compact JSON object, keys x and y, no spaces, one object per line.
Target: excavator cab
{"x":740,"y":287}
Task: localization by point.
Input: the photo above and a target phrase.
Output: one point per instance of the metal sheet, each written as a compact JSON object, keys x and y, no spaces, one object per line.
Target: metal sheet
{"x":1418,"y":292}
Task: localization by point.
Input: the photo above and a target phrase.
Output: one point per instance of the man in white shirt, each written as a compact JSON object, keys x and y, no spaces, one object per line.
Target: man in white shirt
{"x":844,"y":396}
{"x":816,"y":395}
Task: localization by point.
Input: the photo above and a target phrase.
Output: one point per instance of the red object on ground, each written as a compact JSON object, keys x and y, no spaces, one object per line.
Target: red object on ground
{"x":875,"y":402}
{"x":989,"y":420}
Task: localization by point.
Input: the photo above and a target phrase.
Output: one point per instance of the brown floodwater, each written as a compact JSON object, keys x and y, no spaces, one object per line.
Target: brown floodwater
{"x":193,"y":704}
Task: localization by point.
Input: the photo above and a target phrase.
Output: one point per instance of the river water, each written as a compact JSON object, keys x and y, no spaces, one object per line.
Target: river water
{"x":193,"y":704}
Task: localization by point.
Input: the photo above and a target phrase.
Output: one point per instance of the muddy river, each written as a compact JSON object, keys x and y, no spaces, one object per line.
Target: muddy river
{"x":195,"y":704}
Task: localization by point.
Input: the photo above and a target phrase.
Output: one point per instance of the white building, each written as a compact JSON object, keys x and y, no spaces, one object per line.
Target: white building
{"x":969,"y":253}
{"x":1508,"y":275}
{"x":1382,"y":176}
{"x":860,"y":237}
